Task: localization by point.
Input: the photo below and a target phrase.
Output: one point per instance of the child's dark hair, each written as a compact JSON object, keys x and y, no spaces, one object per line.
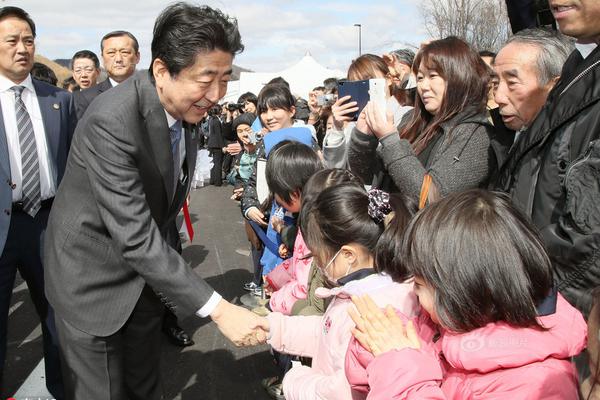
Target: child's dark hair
{"x":388,"y":253}
{"x":325,"y":178}
{"x":289,"y":167}
{"x":340,"y":215}
{"x":482,"y":257}
{"x":276,"y":96}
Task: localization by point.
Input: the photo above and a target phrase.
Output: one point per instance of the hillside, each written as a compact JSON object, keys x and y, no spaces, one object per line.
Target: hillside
{"x":61,"y":72}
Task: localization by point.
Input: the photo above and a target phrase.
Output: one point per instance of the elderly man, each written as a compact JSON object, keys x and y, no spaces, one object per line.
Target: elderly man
{"x":552,"y":171}
{"x":85,"y":68}
{"x":111,"y":266}
{"x":120,"y":56}
{"x":528,"y":67}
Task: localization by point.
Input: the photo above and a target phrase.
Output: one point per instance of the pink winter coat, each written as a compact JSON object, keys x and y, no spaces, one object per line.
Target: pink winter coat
{"x":494,"y":362}
{"x":326,"y":338}
{"x":290,"y":278}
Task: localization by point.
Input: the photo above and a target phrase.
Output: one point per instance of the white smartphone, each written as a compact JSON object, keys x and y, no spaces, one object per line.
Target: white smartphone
{"x":377,"y":94}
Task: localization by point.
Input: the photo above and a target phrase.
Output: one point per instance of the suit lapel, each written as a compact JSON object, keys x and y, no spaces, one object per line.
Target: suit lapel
{"x":4,"y":158}
{"x":50,"y":109}
{"x":157,"y":133}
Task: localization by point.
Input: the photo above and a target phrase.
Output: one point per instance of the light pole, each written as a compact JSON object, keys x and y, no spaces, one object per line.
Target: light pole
{"x":359,"y":39}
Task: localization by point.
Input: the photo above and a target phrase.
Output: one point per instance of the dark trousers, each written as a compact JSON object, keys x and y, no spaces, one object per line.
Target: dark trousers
{"x":124,"y":365}
{"x":215,"y":172}
{"x":23,"y":252}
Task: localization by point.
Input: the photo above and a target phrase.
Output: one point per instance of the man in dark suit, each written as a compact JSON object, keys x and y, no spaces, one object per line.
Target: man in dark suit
{"x":35,"y":132}
{"x":111,"y":269}
{"x":120,"y":56}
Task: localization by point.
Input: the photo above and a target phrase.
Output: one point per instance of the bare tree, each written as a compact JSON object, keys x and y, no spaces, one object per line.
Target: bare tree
{"x":482,"y":23}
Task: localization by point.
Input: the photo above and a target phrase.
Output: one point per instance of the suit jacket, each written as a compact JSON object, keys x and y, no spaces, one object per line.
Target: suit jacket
{"x":59,"y":123}
{"x":106,"y":232}
{"x":215,"y":138}
{"x":83,"y":98}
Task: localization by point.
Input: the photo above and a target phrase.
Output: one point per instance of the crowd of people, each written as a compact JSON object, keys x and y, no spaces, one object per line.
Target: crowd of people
{"x":443,"y":242}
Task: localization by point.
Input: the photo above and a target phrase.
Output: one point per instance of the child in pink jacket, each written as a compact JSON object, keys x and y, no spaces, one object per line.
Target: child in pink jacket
{"x":343,"y":228}
{"x":288,"y":282}
{"x":483,"y":277}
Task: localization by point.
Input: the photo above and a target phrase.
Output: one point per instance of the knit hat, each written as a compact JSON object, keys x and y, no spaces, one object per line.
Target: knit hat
{"x":243,"y":119}
{"x":405,"y":56}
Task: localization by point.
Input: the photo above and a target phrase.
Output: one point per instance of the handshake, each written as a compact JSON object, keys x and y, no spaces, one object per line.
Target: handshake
{"x":241,"y":326}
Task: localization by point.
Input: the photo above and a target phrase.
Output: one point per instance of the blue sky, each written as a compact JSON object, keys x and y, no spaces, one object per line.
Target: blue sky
{"x":276,"y":33}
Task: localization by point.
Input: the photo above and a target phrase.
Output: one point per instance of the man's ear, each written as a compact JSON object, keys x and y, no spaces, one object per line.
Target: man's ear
{"x":160,"y":72}
{"x":550,"y":85}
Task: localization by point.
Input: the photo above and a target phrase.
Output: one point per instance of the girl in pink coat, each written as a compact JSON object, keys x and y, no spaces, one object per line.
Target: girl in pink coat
{"x":343,"y":229}
{"x":483,"y":277}
{"x":288,"y":282}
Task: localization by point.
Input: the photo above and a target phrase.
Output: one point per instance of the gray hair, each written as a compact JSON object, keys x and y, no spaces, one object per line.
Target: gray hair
{"x":554,"y":49}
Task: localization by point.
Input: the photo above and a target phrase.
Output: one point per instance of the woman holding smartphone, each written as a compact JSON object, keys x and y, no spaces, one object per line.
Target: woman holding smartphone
{"x":335,"y":143}
{"x":443,"y":145}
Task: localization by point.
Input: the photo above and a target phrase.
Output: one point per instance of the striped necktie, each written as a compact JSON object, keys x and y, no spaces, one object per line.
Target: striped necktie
{"x":30,"y":186}
{"x":175,"y":132}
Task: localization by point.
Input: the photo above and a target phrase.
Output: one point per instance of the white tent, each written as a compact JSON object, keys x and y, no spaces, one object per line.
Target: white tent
{"x":302,"y":77}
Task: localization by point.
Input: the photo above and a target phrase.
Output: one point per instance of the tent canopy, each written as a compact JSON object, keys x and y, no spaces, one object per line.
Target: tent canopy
{"x":302,"y":77}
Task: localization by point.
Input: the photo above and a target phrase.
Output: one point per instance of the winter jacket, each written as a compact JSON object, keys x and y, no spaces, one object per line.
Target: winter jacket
{"x":496,"y":361}
{"x":460,"y":157}
{"x":312,"y":305}
{"x":290,"y":278}
{"x":553,"y":175}
{"x":325,"y":338}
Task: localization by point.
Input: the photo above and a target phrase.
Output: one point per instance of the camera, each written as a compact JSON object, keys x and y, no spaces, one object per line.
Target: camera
{"x":325,"y":100}
{"x":235,"y":106}
{"x":255,"y":137}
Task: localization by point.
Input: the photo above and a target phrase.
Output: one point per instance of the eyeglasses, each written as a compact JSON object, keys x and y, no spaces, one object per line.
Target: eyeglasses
{"x":79,"y":71}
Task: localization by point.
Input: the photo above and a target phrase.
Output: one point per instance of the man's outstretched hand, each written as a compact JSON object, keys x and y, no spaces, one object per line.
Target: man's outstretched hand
{"x":241,"y":326}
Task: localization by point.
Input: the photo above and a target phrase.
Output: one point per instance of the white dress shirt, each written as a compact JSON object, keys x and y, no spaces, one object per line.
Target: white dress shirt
{"x":47,"y":168}
{"x":214,"y":300}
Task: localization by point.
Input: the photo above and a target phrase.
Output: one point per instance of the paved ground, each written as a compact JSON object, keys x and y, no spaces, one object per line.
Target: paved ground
{"x":212,"y":368}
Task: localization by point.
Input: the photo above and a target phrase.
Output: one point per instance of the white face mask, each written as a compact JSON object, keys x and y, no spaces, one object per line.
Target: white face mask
{"x":325,"y":270}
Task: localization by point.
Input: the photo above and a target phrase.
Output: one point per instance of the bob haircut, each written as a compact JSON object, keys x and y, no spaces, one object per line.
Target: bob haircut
{"x":482,"y":257}
{"x":466,"y":77}
{"x":289,"y":167}
{"x":276,"y":96}
{"x":367,"y":66}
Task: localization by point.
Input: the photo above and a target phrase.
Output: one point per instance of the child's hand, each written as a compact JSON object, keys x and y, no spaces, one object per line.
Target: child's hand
{"x":283,"y":251}
{"x":268,"y":289}
{"x":237,"y":194}
{"x":380,"y":332}
{"x":277,"y":224}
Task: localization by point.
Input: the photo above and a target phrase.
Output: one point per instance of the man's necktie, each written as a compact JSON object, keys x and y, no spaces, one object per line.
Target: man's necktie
{"x":175,"y":131}
{"x":30,"y":186}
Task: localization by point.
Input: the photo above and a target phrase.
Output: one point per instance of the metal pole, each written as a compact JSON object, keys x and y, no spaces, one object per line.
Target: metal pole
{"x":359,"y":39}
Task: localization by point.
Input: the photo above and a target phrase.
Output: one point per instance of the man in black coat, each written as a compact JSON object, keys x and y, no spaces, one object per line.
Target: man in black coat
{"x":553,"y":173}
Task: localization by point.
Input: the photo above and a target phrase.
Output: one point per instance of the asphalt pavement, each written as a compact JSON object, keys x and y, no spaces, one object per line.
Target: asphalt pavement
{"x":212,"y":368}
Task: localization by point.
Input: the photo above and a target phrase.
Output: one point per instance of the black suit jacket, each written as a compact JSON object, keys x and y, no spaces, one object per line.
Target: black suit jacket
{"x":83,"y":98}
{"x":106,"y":236}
